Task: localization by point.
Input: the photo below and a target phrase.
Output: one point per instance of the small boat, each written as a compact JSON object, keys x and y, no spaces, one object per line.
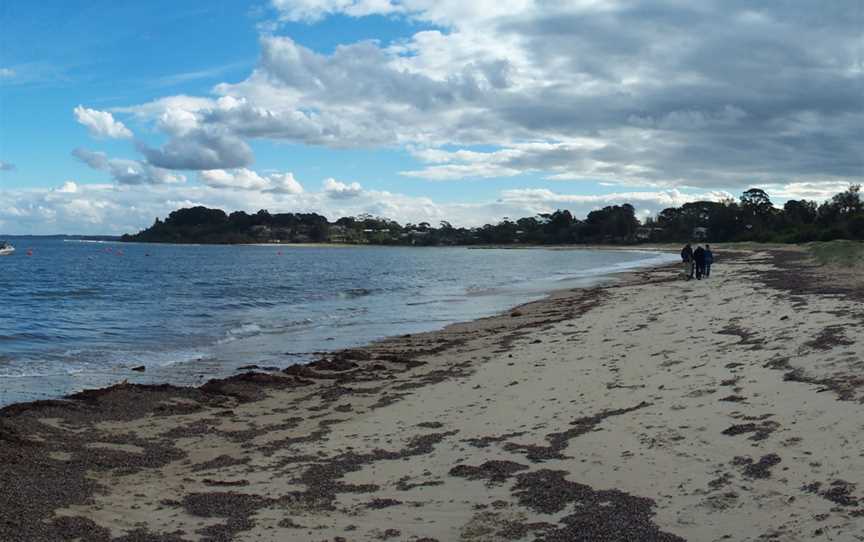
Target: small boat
{"x":6,"y":249}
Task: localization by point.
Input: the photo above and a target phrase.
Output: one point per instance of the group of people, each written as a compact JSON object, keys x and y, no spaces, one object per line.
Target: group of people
{"x":697,"y":262}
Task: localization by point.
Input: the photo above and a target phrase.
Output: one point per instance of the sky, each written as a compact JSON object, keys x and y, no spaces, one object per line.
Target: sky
{"x":115,"y":112}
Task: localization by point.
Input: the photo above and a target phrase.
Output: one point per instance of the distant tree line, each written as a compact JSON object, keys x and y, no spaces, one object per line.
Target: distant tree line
{"x":751,"y":218}
{"x":754,"y":218}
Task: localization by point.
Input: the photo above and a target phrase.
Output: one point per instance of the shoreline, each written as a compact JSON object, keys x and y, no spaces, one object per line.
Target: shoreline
{"x":665,"y":247}
{"x":181,"y":374}
{"x":598,"y":396}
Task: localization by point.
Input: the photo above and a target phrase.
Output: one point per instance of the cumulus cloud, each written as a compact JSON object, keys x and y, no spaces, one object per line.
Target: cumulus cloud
{"x":210,"y":147}
{"x":101,"y":123}
{"x":284,"y":183}
{"x":6,"y":166}
{"x":246,"y":179}
{"x":125,"y":171}
{"x":340,"y":190}
{"x":714,"y":94}
{"x":69,"y":187}
{"x":243,"y":179}
{"x":677,"y":99}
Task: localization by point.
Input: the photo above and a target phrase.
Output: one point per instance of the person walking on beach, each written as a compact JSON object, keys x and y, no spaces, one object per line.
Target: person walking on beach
{"x":687,"y":259}
{"x":709,"y":259}
{"x":699,"y":262}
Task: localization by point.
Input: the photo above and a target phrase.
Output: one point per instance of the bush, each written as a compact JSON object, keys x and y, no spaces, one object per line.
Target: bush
{"x":831,"y":234}
{"x":856,"y":227}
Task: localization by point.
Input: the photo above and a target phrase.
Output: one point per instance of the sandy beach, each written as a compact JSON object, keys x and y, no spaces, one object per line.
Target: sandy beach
{"x":647,"y":409}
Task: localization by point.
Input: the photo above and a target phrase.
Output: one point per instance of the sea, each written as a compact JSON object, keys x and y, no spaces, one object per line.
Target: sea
{"x":83,"y":314}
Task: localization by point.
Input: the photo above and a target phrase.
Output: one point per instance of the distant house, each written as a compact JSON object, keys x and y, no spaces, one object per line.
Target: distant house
{"x":339,"y":234}
{"x":700,"y":233}
{"x":646,"y":233}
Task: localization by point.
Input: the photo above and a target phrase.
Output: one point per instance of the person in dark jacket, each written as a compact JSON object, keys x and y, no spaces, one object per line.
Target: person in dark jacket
{"x":709,"y":259}
{"x":699,"y":262}
{"x":687,"y":259}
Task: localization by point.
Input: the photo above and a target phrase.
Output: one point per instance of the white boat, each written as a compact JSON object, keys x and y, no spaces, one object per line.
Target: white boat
{"x":6,"y":249}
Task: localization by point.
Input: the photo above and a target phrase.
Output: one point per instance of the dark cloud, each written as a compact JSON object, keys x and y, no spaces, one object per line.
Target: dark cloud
{"x":790,"y":69}
{"x":203,"y":148}
{"x":712,"y":94}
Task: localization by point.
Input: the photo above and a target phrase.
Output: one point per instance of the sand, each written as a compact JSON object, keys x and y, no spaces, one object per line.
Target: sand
{"x":647,"y":409}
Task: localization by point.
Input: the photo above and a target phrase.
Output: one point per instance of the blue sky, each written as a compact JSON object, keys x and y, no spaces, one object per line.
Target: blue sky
{"x":112,"y":113}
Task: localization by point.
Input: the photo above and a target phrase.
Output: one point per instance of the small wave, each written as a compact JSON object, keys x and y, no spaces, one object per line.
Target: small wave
{"x":167,"y":359}
{"x":82,"y":293}
{"x":36,"y":337}
{"x":417,"y":303}
{"x":255,"y":304}
{"x":29,"y":371}
{"x":354,"y":292}
{"x":247,"y":330}
{"x":244,"y":330}
{"x":473,"y":291}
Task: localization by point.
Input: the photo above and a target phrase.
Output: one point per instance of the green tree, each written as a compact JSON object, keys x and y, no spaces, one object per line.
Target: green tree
{"x":848,"y":202}
{"x":799,"y":212}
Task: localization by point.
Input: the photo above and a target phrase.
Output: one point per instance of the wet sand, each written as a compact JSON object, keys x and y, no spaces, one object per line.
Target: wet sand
{"x":648,"y":409}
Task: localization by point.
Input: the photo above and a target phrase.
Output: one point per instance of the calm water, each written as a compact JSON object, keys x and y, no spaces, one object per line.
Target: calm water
{"x":80,"y":314}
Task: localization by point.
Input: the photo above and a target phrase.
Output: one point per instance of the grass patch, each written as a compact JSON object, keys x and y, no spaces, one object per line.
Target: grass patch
{"x":838,"y":253}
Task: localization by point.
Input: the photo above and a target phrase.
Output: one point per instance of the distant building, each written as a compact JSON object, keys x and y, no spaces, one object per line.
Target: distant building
{"x":339,"y":234}
{"x":646,"y":233}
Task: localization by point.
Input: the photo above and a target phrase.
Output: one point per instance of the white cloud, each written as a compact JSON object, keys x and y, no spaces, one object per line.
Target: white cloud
{"x":284,"y":183}
{"x":443,"y":12}
{"x":715,"y":94}
{"x":177,"y":122}
{"x":520,"y":158}
{"x":806,"y":190}
{"x":340,"y":190}
{"x":155,"y":108}
{"x":125,"y":171}
{"x":69,"y":187}
{"x":242,"y":178}
{"x":246,"y":179}
{"x":101,"y":123}
{"x":6,"y":166}
{"x":651,"y":200}
{"x":314,"y":10}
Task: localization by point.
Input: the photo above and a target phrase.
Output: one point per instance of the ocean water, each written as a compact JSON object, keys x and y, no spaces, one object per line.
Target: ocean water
{"x":76,"y":315}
